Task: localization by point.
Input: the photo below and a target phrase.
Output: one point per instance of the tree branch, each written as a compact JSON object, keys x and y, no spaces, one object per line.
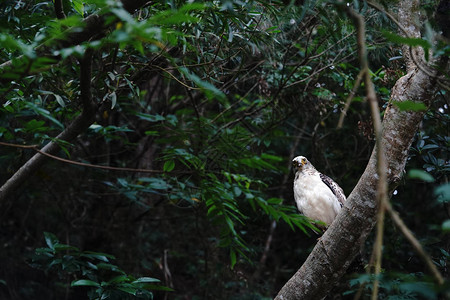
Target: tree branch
{"x":94,"y":25}
{"x":416,"y":244}
{"x":409,"y":29}
{"x":79,"y":125}
{"x":108,"y":168}
{"x":349,"y":99}
{"x":59,"y":10}
{"x":339,"y":245}
{"x":381,"y":195}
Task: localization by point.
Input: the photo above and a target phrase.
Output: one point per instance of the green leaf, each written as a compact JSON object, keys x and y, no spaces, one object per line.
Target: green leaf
{"x":60,"y":100}
{"x":110,"y":267}
{"x":85,"y":282}
{"x":209,"y":89}
{"x":45,"y":113}
{"x":237,"y":191}
{"x":155,"y":287}
{"x":13,"y":43}
{"x":35,"y":126}
{"x":146,"y":280}
{"x":442,"y":193}
{"x":123,"y":15}
{"x":232,"y":257}
{"x":271,"y":157}
{"x":423,"y":290}
{"x":152,"y":132}
{"x":42,"y":63}
{"x":44,"y":251}
{"x":118,"y":279}
{"x":150,"y":118}
{"x":430,"y":146}
{"x":63,"y":247}
{"x":113,"y":98}
{"x":407,"y":41}
{"x":192,"y":6}
{"x":155,"y":183}
{"x":129,"y":289}
{"x":166,"y":18}
{"x":169,"y":166}
{"x":51,"y":240}
{"x":92,"y":266}
{"x":420,"y":174}
{"x":98,"y":255}
{"x":78,"y":6}
{"x":410,"y":105}
{"x":446,"y":226}
{"x":276,"y":201}
{"x":173,"y":17}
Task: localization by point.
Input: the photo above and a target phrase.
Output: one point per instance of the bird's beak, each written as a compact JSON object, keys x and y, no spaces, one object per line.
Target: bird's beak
{"x":296,"y":164}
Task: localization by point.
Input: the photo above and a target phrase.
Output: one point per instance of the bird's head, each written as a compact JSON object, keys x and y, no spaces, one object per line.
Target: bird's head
{"x":300,"y":163}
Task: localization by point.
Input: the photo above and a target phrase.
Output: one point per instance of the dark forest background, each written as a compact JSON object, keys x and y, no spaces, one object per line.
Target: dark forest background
{"x":213,"y":100}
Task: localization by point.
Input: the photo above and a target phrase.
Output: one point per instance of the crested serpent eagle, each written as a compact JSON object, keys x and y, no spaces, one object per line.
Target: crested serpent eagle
{"x":317,"y":196}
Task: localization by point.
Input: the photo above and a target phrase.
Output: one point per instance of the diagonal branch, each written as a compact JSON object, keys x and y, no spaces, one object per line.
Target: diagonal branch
{"x":381,"y":194}
{"x":415,"y":243}
{"x":331,"y":257}
{"x":350,"y":98}
{"x":79,"y":125}
{"x":94,"y":26}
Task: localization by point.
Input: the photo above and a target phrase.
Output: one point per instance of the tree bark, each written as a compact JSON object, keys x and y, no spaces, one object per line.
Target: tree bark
{"x":337,"y":248}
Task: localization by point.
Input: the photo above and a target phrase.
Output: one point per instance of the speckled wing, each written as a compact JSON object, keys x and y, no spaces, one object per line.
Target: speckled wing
{"x":335,"y":188}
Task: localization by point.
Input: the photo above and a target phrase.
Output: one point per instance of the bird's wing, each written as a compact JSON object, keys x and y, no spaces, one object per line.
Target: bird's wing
{"x":334,"y":187}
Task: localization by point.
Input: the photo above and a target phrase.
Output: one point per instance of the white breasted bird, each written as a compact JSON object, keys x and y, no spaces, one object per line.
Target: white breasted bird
{"x":317,"y":196}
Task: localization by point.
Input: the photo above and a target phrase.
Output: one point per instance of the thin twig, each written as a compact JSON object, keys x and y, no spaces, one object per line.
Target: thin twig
{"x":350,"y":98}
{"x":68,"y":161}
{"x":382,"y":197}
{"x":179,"y":81}
{"x":317,"y":71}
{"x":415,"y":243}
{"x":18,"y":145}
{"x":381,"y":162}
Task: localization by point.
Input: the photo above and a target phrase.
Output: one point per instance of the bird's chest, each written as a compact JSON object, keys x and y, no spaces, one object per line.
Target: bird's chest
{"x":307,"y":188}
{"x":313,"y":198}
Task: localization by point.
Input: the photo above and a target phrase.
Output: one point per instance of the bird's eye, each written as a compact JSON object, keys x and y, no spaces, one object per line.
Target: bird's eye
{"x":303,"y":160}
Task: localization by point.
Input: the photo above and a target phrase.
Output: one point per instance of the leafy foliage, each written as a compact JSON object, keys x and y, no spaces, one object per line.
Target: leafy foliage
{"x":212,"y":99}
{"x":399,"y":286}
{"x":105,"y":280}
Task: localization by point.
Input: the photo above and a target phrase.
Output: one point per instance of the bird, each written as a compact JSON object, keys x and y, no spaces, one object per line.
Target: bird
{"x":317,"y":196}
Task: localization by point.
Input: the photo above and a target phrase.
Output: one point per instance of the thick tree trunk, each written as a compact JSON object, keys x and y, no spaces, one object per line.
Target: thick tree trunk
{"x":340,"y":244}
